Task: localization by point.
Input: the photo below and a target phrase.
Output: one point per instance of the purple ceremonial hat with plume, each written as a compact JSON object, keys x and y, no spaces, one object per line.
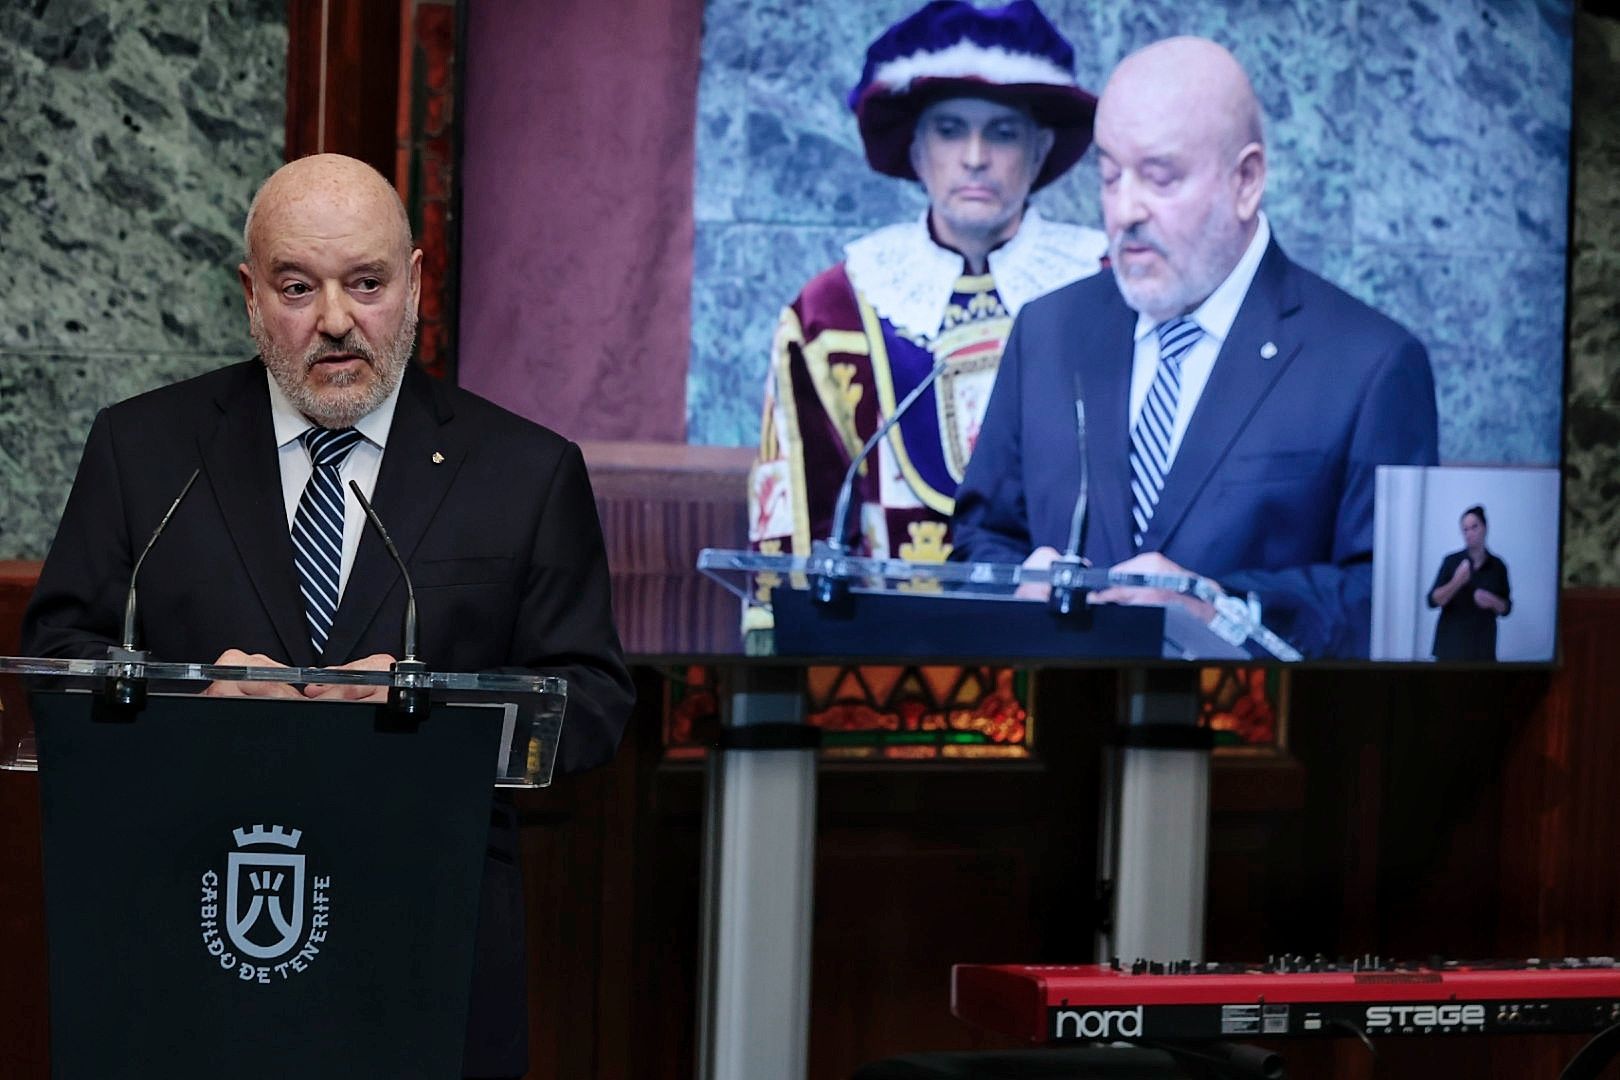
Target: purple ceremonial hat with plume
{"x":948,"y":48}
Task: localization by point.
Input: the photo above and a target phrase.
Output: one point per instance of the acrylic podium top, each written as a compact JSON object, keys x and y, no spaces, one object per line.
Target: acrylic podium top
{"x":533,"y":704}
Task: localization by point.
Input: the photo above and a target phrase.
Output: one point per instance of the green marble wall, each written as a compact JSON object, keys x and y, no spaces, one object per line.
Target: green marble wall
{"x":132,"y":133}
{"x":1592,"y":433}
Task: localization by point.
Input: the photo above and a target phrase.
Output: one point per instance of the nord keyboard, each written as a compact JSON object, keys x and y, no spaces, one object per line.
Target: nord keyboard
{"x":1288,"y":996}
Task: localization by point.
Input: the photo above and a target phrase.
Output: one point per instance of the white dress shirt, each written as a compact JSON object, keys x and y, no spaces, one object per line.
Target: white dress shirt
{"x":1215,"y":316}
{"x":360,"y":466}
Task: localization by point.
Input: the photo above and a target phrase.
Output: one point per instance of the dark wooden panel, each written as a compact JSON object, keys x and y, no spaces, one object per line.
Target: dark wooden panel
{"x":1557,"y":877}
{"x":668,"y":472}
{"x":24,"y":1017}
{"x":428,"y":134}
{"x":343,"y":80}
{"x":17,"y":578}
{"x":378,"y":80}
{"x":660,"y":504}
{"x":305,"y":79}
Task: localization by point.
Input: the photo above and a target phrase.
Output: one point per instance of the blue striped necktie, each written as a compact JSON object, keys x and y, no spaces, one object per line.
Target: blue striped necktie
{"x":317,"y":532}
{"x":1150,"y":438}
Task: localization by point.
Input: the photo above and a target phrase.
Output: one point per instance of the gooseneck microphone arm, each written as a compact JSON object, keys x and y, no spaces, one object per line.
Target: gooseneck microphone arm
{"x":847,"y":489}
{"x":410,"y":593}
{"x":408,"y":696}
{"x":129,"y":598}
{"x":124,"y":690}
{"x":1078,"y":520}
{"x":1065,"y":570}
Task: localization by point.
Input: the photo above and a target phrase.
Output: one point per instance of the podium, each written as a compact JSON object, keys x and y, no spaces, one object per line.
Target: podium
{"x":833,"y":607}
{"x":260,"y":886}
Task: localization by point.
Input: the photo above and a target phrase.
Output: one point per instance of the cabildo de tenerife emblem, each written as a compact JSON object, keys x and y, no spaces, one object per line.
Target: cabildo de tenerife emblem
{"x":265,"y":919}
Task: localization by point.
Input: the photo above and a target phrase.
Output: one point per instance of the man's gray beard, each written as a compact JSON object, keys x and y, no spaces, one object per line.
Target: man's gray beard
{"x":340,"y":405}
{"x":1210,"y":267}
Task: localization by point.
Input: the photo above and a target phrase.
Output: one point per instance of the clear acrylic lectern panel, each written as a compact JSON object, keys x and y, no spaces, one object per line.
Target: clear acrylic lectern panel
{"x":1004,"y":603}
{"x":532,"y":705}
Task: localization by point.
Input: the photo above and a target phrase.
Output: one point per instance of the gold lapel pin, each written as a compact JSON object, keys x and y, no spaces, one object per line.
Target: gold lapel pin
{"x":1268,"y":350}
{"x":438,"y":458}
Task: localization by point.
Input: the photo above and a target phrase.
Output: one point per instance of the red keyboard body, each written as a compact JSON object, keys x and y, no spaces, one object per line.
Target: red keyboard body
{"x":1061,"y":1004}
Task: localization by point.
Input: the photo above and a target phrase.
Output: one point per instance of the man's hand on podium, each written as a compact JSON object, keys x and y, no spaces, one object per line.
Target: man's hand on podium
{"x":1039,"y":559}
{"x":374,"y":662}
{"x":1151,"y":562}
{"x":238,"y":658}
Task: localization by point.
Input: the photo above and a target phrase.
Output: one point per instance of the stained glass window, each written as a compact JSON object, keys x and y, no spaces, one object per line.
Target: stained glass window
{"x":1246,"y":707}
{"x":921,"y":713}
{"x":932,"y":712}
{"x":926,"y":712}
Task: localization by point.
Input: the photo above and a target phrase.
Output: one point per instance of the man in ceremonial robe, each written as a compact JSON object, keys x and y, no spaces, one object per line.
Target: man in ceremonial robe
{"x":981,"y":107}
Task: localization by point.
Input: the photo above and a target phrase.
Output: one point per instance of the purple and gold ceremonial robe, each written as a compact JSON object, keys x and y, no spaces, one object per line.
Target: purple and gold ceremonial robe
{"x":854,"y":343}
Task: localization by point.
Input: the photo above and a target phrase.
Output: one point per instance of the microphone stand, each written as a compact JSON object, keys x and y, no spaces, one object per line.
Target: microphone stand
{"x":125,"y":691}
{"x":830,"y":581}
{"x":408,"y":696}
{"x":1068,"y":595}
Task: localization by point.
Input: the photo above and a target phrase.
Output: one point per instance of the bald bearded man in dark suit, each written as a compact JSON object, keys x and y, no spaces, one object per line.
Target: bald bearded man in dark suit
{"x":493,"y":514}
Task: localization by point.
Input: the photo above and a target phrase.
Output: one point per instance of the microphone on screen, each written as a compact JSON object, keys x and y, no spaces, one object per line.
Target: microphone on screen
{"x":1067,"y":593}
{"x":827,"y":585}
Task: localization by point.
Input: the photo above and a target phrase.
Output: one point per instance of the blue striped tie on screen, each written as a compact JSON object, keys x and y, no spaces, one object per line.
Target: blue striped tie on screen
{"x":317,"y":532}
{"x":1150,"y":438}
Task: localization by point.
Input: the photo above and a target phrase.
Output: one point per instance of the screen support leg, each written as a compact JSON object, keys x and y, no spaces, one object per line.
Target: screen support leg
{"x":1156,"y":828}
{"x":758,"y":862}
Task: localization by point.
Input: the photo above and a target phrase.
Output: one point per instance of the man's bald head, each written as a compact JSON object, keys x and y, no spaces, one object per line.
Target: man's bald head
{"x":357,"y":187}
{"x":1183,"y":164}
{"x":1193,"y":80}
{"x":331,"y":286}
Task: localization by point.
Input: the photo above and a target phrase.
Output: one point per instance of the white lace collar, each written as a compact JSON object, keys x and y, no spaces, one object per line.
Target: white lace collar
{"x":908,"y":278}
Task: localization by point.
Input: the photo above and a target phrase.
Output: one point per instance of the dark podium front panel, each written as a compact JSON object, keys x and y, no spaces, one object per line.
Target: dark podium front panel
{"x":261,"y":888}
{"x":889,"y":624}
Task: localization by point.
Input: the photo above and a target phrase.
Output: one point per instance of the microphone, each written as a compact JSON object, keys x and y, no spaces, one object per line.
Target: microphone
{"x":1077,"y":521}
{"x":1065,"y":569}
{"x":826,"y":588}
{"x":127,"y":690}
{"x":410,"y":593}
{"x":408,"y":695}
{"x":847,"y":488}
{"x":129,"y":598}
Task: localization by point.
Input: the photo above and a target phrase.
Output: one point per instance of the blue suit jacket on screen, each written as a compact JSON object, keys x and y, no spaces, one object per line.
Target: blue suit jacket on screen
{"x":1272,"y":489}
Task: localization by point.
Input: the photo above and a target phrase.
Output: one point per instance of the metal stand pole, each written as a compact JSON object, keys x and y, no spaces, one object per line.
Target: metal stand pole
{"x":1156,"y":833}
{"x":758,"y":862}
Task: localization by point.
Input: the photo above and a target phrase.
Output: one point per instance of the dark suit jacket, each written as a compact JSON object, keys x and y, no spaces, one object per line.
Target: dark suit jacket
{"x":501,"y":538}
{"x":1272,"y":488}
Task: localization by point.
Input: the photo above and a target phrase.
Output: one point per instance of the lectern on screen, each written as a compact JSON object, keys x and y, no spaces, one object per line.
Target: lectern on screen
{"x":265,"y":887}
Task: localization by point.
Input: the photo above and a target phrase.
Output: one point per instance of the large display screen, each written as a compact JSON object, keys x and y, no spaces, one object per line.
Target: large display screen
{"x":1418,"y":160}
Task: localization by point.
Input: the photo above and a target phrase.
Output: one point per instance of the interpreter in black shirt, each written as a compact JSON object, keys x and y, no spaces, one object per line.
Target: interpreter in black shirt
{"x":1471,"y":591}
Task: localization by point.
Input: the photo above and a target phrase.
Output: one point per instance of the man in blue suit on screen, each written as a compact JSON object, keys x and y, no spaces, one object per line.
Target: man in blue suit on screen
{"x":1236,"y":406}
